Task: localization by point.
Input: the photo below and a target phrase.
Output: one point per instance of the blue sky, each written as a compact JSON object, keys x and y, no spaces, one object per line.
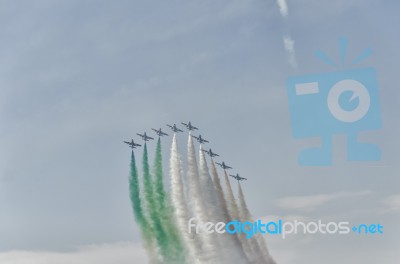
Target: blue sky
{"x":78,"y":77}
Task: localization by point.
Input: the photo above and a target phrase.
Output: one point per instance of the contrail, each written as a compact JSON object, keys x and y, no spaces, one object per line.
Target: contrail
{"x":146,"y":231}
{"x":288,"y":42}
{"x":257,"y":242}
{"x":179,"y":205}
{"x":235,"y":215}
{"x":237,"y":254}
{"x":283,"y":8}
{"x":159,"y":232}
{"x":174,"y":243}
{"x":209,"y":244}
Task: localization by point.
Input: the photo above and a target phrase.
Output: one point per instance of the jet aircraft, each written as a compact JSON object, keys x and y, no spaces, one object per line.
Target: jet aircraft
{"x":175,"y":129}
{"x":189,"y":126}
{"x":145,"y":137}
{"x":200,"y":139}
{"x":224,"y":166}
{"x":132,"y":144}
{"x":210,"y":153}
{"x":159,"y":132}
{"x":237,"y":177}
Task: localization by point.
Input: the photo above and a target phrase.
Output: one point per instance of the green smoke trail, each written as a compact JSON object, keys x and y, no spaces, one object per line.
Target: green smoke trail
{"x":140,"y":218}
{"x":159,"y":232}
{"x":164,"y":208}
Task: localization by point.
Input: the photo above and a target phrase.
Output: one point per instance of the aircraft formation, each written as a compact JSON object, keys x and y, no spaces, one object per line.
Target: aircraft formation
{"x":199,"y":139}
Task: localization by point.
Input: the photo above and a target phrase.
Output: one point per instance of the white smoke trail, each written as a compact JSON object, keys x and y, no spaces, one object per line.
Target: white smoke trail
{"x":220,"y":194}
{"x":288,"y":42}
{"x":179,"y":204}
{"x":257,"y":241}
{"x":252,"y":243}
{"x":283,"y":7}
{"x":228,"y":252}
{"x":209,"y":204}
{"x":235,"y":215}
{"x":209,"y":244}
{"x":237,"y":254}
{"x":208,"y":190}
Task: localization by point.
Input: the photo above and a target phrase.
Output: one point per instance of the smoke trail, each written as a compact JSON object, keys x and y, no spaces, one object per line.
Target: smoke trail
{"x":234,"y":212}
{"x":159,"y":185}
{"x":213,"y":206}
{"x":288,"y":42}
{"x":159,"y":232}
{"x":140,"y":218}
{"x":175,"y":247}
{"x":238,"y":255}
{"x":220,"y":193}
{"x":179,"y":205}
{"x":283,"y":8}
{"x":209,"y":244}
{"x":252,"y":243}
{"x":257,"y":242}
{"x":208,"y":190}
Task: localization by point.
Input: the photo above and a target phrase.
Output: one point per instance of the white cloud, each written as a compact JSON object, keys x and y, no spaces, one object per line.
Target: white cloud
{"x":121,"y":253}
{"x":312,"y":202}
{"x":392,"y":203}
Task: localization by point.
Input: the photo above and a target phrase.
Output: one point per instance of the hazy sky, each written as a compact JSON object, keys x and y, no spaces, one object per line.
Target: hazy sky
{"x":80,"y":76}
